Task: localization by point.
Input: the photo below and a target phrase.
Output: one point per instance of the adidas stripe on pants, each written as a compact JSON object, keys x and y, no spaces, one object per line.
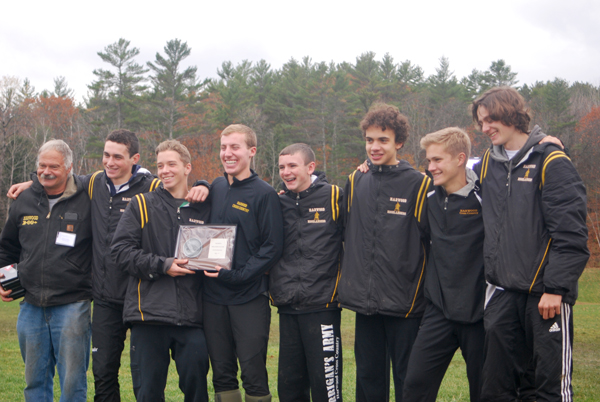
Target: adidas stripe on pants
{"x":516,"y":332}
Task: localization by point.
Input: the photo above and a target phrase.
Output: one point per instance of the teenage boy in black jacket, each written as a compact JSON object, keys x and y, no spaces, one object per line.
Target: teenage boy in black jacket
{"x":303,"y":284}
{"x":236,"y":304}
{"x":384,"y":258}
{"x":163,"y":302}
{"x":454,"y":281}
{"x":535,"y":249}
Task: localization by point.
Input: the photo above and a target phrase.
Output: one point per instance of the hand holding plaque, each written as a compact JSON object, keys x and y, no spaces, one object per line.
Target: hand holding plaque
{"x":206,"y":246}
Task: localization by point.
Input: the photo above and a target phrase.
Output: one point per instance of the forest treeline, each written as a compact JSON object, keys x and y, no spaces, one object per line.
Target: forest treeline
{"x":318,"y":103}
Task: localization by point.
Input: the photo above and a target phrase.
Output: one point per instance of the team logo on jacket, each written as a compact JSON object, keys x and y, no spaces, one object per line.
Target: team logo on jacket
{"x":526,"y":176}
{"x":241,"y":206}
{"x":397,"y":207}
{"x":316,"y":219}
{"x":30,"y":220}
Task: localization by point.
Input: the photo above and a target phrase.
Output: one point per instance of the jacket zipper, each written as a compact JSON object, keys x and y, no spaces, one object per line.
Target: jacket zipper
{"x":176,"y":279}
{"x":445,"y":213}
{"x":508,"y":177}
{"x":374,"y":238}
{"x":44,"y":295}
{"x":300,"y":217}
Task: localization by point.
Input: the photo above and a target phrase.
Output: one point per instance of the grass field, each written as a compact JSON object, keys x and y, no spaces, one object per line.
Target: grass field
{"x":586,"y":372}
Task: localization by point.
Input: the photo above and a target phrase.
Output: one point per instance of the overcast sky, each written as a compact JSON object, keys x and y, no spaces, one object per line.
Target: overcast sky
{"x":539,"y":39}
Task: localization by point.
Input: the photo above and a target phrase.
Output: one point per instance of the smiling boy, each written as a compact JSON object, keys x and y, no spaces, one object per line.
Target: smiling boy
{"x":163,"y":302}
{"x":534,"y":214}
{"x":236,"y":304}
{"x":303,"y":284}
{"x":454,"y":283}
{"x":383,"y":264}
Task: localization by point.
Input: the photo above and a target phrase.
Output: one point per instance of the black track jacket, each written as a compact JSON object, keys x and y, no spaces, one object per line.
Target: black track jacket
{"x":454,"y":281}
{"x":144,"y":246}
{"x":51,"y":274}
{"x":534,"y":213}
{"x":109,"y":281}
{"x":385,"y":248}
{"x":254,"y":207}
{"x":306,"y":276}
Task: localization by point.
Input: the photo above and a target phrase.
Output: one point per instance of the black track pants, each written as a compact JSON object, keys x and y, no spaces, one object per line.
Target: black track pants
{"x":310,"y":357}
{"x":437,"y":341}
{"x":239,"y":332}
{"x":516,"y":333}
{"x":151,"y":349}
{"x":108,"y":341}
{"x":377,"y":339}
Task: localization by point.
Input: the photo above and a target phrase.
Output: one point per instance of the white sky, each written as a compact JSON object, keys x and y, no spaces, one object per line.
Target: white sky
{"x":539,"y":39}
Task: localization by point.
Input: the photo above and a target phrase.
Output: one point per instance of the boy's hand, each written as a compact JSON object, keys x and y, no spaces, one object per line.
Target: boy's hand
{"x":177,"y":270}
{"x":213,"y":274}
{"x":197,"y":194}
{"x":552,"y":140}
{"x":16,"y":189}
{"x":363,"y":167}
{"x":549,"y":305}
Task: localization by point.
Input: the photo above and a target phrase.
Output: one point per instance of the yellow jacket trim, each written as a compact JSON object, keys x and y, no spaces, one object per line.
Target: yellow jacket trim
{"x":419,"y":283}
{"x":335,"y":196}
{"x":337,"y":281}
{"x":143,"y":210}
{"x":550,"y":158}
{"x":540,"y":267}
{"x":140,"y":299}
{"x":484,"y":166}
{"x":351,"y":190}
{"x":421,"y":198}
{"x":91,"y":183}
{"x":154,"y":185}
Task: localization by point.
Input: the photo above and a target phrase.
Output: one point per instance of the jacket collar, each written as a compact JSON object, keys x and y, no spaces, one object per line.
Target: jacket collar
{"x":402,"y":165}
{"x":73,"y":185}
{"x":320,"y":181}
{"x":136,"y":175}
{"x":236,"y":183}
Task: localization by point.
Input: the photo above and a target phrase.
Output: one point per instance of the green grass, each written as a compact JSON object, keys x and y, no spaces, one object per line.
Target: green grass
{"x":586,"y":356}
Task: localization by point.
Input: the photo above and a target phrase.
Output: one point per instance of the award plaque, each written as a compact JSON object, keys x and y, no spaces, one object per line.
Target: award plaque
{"x":206,"y":246}
{"x":11,"y":281}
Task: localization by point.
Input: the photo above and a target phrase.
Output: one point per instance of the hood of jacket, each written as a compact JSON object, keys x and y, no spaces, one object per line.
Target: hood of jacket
{"x":321,"y":179}
{"x":72,"y":187}
{"x":471,"y":183}
{"x":535,"y":136}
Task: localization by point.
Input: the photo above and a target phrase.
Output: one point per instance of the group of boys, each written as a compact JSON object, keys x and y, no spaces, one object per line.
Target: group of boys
{"x":405,"y":251}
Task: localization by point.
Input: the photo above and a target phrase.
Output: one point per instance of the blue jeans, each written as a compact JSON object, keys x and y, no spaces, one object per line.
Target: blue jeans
{"x":58,"y":335}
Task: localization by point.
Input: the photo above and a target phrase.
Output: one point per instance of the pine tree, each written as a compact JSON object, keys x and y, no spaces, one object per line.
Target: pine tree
{"x":171,"y":85}
{"x":115,"y":91}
